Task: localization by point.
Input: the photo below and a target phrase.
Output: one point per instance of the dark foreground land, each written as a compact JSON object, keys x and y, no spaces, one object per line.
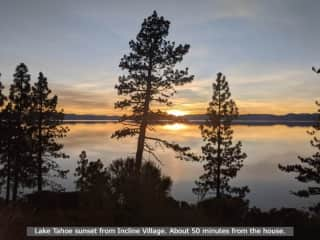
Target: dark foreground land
{"x":83,"y":209}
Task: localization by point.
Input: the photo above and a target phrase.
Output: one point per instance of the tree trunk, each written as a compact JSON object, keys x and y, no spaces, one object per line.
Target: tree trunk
{"x":18,"y":142}
{"x":8,"y":176}
{"x":140,"y":147}
{"x":142,"y":132}
{"x":15,"y":180}
{"x":218,"y":193}
{"x":39,"y":157}
{"x":39,"y":173}
{"x":144,"y":122}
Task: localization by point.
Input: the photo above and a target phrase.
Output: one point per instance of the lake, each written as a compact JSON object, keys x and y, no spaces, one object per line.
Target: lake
{"x":266,"y":147}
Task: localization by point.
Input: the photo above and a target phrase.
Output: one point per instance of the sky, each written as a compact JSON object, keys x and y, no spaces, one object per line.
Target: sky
{"x":266,"y":49}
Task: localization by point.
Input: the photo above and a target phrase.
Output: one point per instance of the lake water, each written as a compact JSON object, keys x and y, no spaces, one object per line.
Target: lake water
{"x":266,"y":147}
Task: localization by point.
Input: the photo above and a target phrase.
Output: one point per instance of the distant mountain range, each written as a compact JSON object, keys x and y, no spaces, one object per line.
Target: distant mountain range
{"x":265,"y":117}
{"x":89,"y":117}
{"x":254,"y":119}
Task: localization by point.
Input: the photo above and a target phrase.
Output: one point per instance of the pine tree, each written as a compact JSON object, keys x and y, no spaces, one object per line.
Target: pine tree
{"x":93,"y":181}
{"x":20,"y":101}
{"x":92,"y":176}
{"x":46,"y":127}
{"x":6,"y":151}
{"x":151,"y":79}
{"x":2,"y":129}
{"x":8,"y":134}
{"x":5,"y":146}
{"x":2,"y":96}
{"x":81,"y":172}
{"x":309,"y":169}
{"x":222,"y":159}
{"x":154,"y":187}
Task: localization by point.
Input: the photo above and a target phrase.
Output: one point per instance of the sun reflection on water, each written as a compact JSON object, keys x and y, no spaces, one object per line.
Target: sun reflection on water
{"x":175,"y":126}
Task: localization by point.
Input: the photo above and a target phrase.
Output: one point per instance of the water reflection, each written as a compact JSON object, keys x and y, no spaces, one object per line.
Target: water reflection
{"x":266,"y":147}
{"x":175,"y":127}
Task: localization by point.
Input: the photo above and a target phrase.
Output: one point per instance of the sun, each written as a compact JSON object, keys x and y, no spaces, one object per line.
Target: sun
{"x":176,"y":112}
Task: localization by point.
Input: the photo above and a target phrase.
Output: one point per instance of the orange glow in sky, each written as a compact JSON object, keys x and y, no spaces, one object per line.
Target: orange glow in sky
{"x":177,"y":112}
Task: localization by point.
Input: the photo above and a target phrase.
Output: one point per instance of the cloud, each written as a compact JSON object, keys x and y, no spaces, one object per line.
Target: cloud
{"x":79,"y":100}
{"x":265,"y":48}
{"x":274,"y":90}
{"x":283,"y":106}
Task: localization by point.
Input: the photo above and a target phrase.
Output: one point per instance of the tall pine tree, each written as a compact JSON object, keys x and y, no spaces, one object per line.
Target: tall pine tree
{"x":2,"y":97}
{"x":6,"y":150}
{"x":92,"y":176}
{"x":222,"y":160}
{"x":8,"y":137}
{"x":20,"y":101}
{"x":2,"y":129}
{"x":309,"y":169}
{"x":150,"y":81}
{"x":46,"y":128}
{"x":7,"y":130}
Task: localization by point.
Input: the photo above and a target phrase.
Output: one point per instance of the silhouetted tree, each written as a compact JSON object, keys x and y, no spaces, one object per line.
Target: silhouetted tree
{"x":92,"y":176}
{"x":8,"y":134}
{"x":5,"y":143}
{"x":81,"y":172}
{"x":150,"y":80}
{"x":21,"y":101}
{"x":7,"y":138}
{"x":46,"y":127}
{"x":136,"y":196}
{"x":2,"y":99}
{"x":93,"y":182}
{"x":153,"y":184}
{"x":309,"y":169}
{"x":115,"y":185}
{"x":222,"y":159}
{"x":2,"y":96}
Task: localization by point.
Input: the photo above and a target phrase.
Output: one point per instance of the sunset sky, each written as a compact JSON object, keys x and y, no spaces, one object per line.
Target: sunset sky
{"x":265,"y":48}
